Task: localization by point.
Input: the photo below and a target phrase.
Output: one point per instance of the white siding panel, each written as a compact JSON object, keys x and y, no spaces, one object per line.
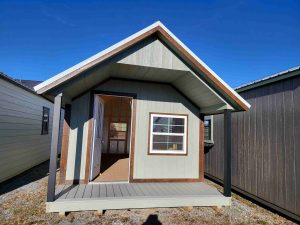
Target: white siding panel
{"x":21,"y":144}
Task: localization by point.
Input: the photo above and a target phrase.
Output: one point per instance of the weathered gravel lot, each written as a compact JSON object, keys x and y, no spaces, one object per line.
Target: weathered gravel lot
{"x":23,"y":202}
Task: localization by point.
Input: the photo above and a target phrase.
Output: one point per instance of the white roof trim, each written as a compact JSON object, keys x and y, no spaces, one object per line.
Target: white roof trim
{"x":124,"y":41}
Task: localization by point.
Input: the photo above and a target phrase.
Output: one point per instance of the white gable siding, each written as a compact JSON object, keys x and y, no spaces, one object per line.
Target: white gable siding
{"x":153,"y":53}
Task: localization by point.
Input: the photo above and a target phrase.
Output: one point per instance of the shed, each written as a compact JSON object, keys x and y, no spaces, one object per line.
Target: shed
{"x":133,"y":134}
{"x":265,"y":143}
{"x":25,"y":127}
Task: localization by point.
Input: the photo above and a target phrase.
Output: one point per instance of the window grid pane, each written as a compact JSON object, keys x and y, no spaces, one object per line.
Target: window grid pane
{"x":168,"y":133}
{"x":168,"y":125}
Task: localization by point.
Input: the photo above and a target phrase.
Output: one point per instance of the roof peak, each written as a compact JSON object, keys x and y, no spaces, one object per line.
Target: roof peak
{"x":156,"y":27}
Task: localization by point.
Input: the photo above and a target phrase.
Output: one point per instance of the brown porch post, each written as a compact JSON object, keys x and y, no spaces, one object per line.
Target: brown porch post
{"x":227,"y":152}
{"x":65,"y":144}
{"x":54,"y":146}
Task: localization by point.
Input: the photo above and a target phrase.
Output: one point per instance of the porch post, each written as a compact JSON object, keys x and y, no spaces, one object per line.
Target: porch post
{"x":227,"y":152}
{"x":54,"y":146}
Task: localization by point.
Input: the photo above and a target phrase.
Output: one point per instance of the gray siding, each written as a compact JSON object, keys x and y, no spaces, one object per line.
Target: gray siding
{"x":151,"y":98}
{"x":21,"y":144}
{"x":266,"y":145}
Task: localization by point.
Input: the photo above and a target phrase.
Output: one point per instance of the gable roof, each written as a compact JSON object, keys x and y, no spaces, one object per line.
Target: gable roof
{"x":21,"y":84}
{"x":169,"y":37}
{"x":295,"y":71}
{"x":29,"y":83}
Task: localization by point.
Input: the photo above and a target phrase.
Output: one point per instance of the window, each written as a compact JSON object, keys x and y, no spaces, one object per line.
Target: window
{"x":45,"y":120}
{"x":118,"y":131}
{"x":118,"y":137}
{"x":208,"y":128}
{"x":168,"y":134}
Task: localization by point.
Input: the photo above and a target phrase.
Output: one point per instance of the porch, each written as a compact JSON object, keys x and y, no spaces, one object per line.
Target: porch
{"x":105,"y":196}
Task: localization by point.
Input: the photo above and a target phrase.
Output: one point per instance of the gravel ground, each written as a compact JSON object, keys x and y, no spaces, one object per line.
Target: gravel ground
{"x":22,"y":201}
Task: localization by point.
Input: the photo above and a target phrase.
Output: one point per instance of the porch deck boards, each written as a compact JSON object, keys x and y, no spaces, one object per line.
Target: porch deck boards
{"x":120,"y":190}
{"x":134,"y":195}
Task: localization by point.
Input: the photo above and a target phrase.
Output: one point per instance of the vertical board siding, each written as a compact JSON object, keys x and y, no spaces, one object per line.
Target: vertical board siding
{"x":265,"y":145}
{"x":21,"y":144}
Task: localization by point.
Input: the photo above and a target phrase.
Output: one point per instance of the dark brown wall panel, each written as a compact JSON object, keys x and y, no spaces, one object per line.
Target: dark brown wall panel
{"x":265,"y":146}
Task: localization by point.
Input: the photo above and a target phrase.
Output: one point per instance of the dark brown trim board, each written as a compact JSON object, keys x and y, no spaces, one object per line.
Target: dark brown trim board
{"x":65,"y":144}
{"x":132,"y":143}
{"x":89,"y":139}
{"x":187,"y":134}
{"x":201,"y":147}
{"x":165,"y":180}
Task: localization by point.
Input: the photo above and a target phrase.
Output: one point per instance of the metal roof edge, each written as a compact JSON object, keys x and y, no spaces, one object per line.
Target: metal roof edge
{"x":269,"y":79}
{"x":20,"y":85}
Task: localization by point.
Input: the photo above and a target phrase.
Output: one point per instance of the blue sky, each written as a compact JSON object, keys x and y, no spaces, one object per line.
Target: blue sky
{"x":240,"y":40}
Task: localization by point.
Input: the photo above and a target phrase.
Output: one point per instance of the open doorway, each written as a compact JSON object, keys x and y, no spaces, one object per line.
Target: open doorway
{"x":111,"y":141}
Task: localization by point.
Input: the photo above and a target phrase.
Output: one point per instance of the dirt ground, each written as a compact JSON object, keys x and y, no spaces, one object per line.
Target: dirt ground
{"x":22,"y":201}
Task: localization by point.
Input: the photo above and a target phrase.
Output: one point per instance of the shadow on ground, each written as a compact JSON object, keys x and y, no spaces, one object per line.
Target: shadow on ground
{"x":152,"y":220}
{"x":38,"y":172}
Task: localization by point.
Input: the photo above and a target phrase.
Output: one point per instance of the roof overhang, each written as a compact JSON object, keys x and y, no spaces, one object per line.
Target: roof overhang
{"x":213,"y":81}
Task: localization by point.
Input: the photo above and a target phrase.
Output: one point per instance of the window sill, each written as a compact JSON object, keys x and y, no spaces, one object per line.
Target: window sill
{"x":209,"y":143}
{"x":168,"y":154}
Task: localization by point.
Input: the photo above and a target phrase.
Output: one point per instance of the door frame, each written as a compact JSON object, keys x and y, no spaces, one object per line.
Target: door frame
{"x":133,"y":97}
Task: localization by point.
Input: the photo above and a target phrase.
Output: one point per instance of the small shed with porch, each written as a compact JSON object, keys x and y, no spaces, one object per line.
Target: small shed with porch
{"x":133,"y":135}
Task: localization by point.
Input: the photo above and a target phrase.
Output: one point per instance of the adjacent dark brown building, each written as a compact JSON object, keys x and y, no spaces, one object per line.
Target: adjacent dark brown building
{"x":265,"y":143}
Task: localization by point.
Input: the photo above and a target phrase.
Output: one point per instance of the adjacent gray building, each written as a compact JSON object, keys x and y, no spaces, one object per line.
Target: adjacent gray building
{"x":25,"y":127}
{"x":265,"y":143}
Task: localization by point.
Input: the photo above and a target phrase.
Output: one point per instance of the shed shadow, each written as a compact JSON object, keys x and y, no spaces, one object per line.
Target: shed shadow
{"x":35,"y":173}
{"x":152,"y":220}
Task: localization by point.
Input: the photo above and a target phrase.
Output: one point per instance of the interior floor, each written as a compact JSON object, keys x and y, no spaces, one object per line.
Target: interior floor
{"x":114,"y":168}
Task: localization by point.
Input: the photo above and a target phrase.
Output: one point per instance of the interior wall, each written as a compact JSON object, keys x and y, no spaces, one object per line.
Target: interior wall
{"x":116,"y":109}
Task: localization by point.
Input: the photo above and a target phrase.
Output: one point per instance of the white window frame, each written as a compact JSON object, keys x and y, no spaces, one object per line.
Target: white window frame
{"x":184,"y":135}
